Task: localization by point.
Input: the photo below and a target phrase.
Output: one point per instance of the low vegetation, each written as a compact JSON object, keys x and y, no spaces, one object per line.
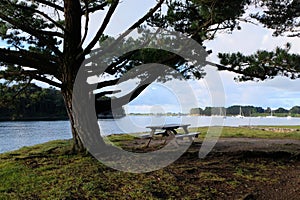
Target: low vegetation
{"x":249,"y":111}
{"x":279,"y":132}
{"x":50,"y":171}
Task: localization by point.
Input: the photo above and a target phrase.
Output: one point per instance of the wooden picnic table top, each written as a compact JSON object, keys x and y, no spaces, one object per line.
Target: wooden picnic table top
{"x":170,"y":131}
{"x":168,"y":126}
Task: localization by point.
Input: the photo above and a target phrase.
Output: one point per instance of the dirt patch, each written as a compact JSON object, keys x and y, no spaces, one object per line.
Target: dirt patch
{"x":255,"y":144}
{"x":276,"y":130}
{"x":237,"y":168}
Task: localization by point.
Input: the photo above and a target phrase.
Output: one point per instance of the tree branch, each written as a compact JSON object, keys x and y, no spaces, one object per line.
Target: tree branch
{"x":107,"y":83}
{"x":52,"y":33}
{"x":139,"y":22}
{"x":114,"y":66}
{"x":101,"y":94}
{"x":48,"y":81}
{"x":30,"y":59}
{"x":22,"y":89}
{"x":101,"y":29}
{"x":50,"y":4}
{"x":40,"y":13}
{"x":32,"y":74}
{"x":27,"y":28}
{"x":135,"y":25}
{"x":86,"y":25}
{"x":238,"y":71}
{"x":94,"y":9}
{"x":106,"y":104}
{"x":146,"y":16}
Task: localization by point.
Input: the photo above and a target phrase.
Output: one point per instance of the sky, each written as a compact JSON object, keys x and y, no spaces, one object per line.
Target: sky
{"x":274,"y":93}
{"x":217,"y":88}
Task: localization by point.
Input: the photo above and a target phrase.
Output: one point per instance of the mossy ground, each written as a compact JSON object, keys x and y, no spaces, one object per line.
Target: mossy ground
{"x":49,"y":171}
{"x":291,"y":132}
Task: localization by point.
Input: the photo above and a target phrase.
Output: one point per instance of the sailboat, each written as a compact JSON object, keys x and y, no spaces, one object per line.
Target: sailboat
{"x":240,"y":115}
{"x":271,"y":115}
{"x":222,"y":112}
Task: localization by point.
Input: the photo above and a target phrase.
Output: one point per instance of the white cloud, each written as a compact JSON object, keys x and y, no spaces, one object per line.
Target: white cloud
{"x":174,"y":96}
{"x":280,"y":92}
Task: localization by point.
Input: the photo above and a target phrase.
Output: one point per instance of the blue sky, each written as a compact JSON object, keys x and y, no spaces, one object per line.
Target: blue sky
{"x":175,"y":97}
{"x":278,"y":92}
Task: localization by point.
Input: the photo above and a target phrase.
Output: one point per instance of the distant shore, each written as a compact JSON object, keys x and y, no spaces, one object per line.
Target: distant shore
{"x":2,"y":119}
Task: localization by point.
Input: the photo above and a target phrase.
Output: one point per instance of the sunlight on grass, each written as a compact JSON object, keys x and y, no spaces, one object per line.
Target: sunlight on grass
{"x":292,"y":132}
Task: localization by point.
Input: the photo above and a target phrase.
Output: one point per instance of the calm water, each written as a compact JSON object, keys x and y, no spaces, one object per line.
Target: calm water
{"x":14,"y":135}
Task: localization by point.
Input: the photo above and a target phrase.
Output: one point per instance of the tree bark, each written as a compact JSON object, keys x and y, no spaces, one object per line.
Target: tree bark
{"x":77,"y":145}
{"x":70,"y":66}
{"x":80,"y":104}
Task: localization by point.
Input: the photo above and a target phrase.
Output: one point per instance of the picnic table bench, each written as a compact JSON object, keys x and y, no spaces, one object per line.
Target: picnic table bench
{"x":170,"y":132}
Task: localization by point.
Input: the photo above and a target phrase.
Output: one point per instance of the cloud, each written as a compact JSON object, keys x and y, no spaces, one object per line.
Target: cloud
{"x":246,"y":40}
{"x":279,"y":92}
{"x":174,"y":96}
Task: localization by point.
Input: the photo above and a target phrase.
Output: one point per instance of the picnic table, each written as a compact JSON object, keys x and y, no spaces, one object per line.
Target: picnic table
{"x":170,"y":132}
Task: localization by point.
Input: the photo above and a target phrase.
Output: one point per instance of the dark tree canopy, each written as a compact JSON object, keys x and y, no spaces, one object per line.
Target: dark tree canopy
{"x":33,"y":103}
{"x":45,"y":42}
{"x":284,"y":18}
{"x":46,"y":36}
{"x":263,"y":64}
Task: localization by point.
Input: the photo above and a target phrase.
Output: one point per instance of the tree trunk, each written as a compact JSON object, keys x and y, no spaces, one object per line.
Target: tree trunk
{"x":84,"y":122}
{"x":79,"y":103}
{"x":77,"y":142}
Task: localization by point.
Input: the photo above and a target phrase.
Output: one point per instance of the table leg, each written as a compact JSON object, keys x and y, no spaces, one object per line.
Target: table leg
{"x":171,"y":133}
{"x":186,"y":131}
{"x":151,"y":136}
{"x":149,"y":142}
{"x":152,"y":132}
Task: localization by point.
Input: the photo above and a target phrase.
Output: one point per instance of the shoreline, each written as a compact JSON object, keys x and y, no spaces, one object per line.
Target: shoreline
{"x":34,"y":119}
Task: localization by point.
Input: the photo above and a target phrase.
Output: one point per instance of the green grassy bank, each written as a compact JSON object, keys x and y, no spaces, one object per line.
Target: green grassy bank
{"x":280,"y":132}
{"x":49,"y":171}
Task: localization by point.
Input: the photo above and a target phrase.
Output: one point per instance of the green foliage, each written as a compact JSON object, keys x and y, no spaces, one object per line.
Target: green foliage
{"x":281,"y":15}
{"x":20,"y":17}
{"x":281,"y":110}
{"x":33,"y":102}
{"x":196,"y":111}
{"x":263,"y":64}
{"x":201,"y":19}
{"x":246,"y":111}
{"x":295,"y":110}
{"x":3,"y":28}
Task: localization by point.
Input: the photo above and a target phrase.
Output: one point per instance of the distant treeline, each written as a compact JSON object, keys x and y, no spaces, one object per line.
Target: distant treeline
{"x":31,"y":103}
{"x":245,"y":110}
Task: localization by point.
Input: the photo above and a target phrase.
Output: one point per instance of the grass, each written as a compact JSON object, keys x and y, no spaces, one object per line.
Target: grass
{"x":254,"y":132}
{"x":292,"y":132}
{"x":49,"y":171}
